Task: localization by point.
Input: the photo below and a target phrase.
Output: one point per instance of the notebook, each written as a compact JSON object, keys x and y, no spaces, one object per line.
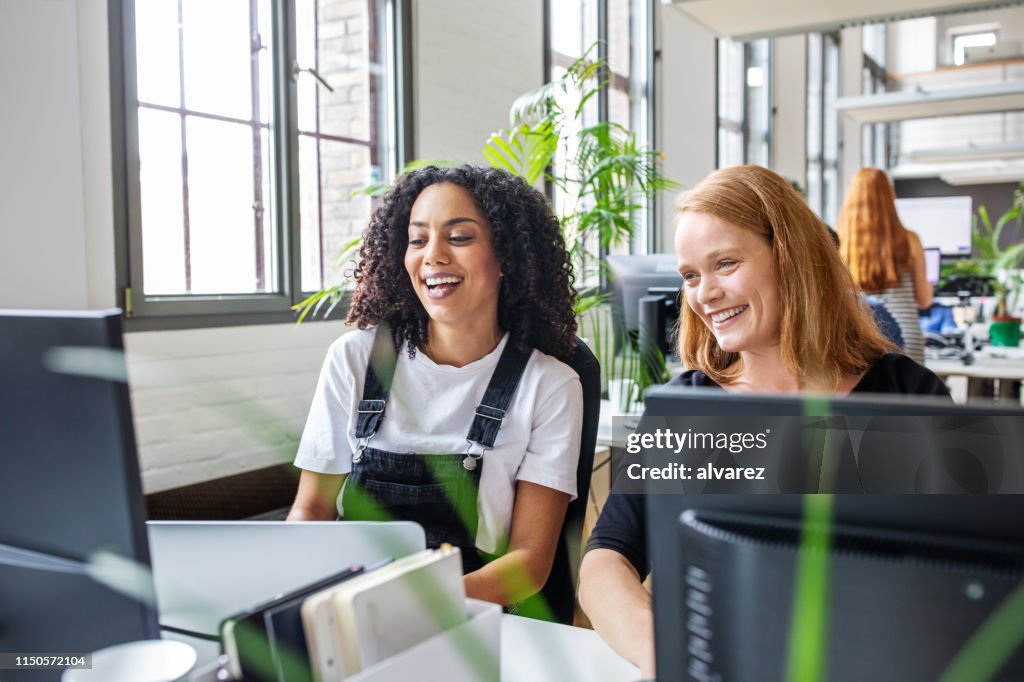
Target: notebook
{"x":385,"y":612}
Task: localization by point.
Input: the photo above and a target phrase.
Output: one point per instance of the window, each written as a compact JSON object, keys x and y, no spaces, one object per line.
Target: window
{"x":823,"y":124}
{"x":621,"y":30}
{"x":744,"y":103}
{"x":250,"y":125}
{"x":874,"y":80}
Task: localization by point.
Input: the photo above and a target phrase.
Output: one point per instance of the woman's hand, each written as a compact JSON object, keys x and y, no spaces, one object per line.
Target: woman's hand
{"x":537,"y":519}
{"x":317,"y":497}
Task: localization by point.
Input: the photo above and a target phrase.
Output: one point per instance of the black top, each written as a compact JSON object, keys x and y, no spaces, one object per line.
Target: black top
{"x":621,"y":526}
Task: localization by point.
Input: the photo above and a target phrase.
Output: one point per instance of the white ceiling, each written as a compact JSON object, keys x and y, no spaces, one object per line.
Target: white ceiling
{"x":748,"y":19}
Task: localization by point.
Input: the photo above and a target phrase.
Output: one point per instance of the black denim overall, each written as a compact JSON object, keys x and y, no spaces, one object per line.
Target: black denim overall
{"x":437,"y":491}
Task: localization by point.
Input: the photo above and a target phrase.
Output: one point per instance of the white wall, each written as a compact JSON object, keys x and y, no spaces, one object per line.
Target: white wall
{"x":207,"y":402}
{"x":684,"y":89}
{"x":473,"y":58}
{"x":42,"y":238}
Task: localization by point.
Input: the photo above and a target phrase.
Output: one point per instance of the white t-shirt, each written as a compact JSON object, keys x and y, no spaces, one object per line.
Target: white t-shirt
{"x":430,"y":410}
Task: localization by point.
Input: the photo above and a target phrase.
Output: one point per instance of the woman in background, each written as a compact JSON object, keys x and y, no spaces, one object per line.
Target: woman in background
{"x":885,"y":259}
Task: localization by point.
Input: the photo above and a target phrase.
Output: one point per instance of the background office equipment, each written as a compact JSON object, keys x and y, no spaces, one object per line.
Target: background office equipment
{"x":205,"y":571}
{"x":887,"y":551}
{"x":933,"y":264}
{"x":941,"y":222}
{"x":645,"y":295}
{"x":69,"y":485}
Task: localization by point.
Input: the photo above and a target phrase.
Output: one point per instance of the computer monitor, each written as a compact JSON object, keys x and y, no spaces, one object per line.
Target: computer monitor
{"x":909,"y":578}
{"x":944,"y":223}
{"x":69,"y":485}
{"x":645,"y":293}
{"x":933,"y":265}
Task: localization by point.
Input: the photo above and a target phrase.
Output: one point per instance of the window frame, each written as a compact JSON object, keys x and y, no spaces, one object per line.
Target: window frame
{"x":744,"y":126}
{"x":640,"y":85}
{"x":155,"y":312}
{"x":826,"y":161}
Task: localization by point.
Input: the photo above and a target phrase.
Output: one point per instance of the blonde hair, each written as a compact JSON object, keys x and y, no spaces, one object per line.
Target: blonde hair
{"x":872,"y":241}
{"x":827,"y":330}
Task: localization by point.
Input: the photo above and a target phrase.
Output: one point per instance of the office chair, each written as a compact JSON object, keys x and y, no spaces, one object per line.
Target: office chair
{"x":559,"y":592}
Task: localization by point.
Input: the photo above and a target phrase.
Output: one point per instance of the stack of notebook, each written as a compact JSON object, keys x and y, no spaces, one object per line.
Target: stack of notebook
{"x":348,"y":622}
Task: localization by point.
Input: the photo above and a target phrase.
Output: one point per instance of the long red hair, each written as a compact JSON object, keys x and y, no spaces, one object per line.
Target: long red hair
{"x":872,"y":241}
{"x":826,"y":330}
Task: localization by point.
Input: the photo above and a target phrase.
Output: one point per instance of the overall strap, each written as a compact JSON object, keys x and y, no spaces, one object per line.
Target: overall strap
{"x":491,"y":410}
{"x":376,"y":384}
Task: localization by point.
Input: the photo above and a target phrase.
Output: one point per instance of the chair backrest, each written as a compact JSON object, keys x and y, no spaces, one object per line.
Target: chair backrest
{"x":559,"y":592}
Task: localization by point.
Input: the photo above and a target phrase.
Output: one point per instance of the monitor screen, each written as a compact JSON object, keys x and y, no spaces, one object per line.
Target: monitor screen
{"x":933,"y":265}
{"x":910,"y":578}
{"x":639,"y":276}
{"x":69,"y":487}
{"x":941,"y":222}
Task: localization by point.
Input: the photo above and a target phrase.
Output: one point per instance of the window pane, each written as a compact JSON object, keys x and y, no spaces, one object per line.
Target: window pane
{"x":224,"y":235}
{"x":567,"y":27}
{"x":218,"y":62}
{"x":326,"y":186}
{"x":335,"y":39}
{"x":619,"y":37}
{"x":163,"y":229}
{"x":156,"y":52}
{"x":759,"y":106}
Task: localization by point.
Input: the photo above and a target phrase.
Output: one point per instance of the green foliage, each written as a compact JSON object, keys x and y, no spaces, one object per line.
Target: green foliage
{"x":991,"y":260}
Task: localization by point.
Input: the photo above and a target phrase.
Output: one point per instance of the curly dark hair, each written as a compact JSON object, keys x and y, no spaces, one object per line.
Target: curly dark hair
{"x":535,"y":304}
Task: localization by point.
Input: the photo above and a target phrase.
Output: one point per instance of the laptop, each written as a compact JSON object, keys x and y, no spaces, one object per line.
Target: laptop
{"x":205,"y":571}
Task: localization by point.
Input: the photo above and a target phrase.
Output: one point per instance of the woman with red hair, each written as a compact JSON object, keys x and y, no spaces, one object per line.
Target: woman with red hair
{"x":885,"y":259}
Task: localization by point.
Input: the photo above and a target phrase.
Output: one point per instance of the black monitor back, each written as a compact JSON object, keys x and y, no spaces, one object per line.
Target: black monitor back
{"x":902,"y":566}
{"x":69,"y":483}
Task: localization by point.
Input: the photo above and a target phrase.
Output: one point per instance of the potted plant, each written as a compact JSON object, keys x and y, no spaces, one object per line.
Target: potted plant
{"x":1000,"y":266}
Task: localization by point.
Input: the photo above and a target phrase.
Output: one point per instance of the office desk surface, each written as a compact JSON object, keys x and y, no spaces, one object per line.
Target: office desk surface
{"x":534,"y":651}
{"x":982,"y":368}
{"x":531,"y":651}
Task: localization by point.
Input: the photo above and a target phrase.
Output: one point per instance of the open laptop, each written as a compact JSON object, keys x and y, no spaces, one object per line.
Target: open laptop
{"x":205,"y":571}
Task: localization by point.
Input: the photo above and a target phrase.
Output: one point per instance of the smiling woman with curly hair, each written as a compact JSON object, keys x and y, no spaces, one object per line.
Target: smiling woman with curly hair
{"x":464,"y":304}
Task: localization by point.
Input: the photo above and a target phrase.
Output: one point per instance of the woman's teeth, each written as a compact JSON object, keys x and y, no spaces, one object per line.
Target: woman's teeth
{"x":726,"y":314}
{"x":437,"y":281}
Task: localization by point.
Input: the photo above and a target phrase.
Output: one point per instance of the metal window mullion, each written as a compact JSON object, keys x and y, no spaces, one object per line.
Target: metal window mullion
{"x":255,"y":44}
{"x":648,"y":58}
{"x":319,"y":159}
{"x":602,"y":103}
{"x":745,"y":96}
{"x":286,"y":137}
{"x":769,"y":79}
{"x":186,"y":226}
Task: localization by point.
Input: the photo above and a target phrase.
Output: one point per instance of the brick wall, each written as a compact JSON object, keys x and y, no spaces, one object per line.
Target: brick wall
{"x":215,"y":402}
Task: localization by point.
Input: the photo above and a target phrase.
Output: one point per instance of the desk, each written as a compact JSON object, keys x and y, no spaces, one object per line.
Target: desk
{"x":531,"y":651}
{"x":1007,"y":371}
